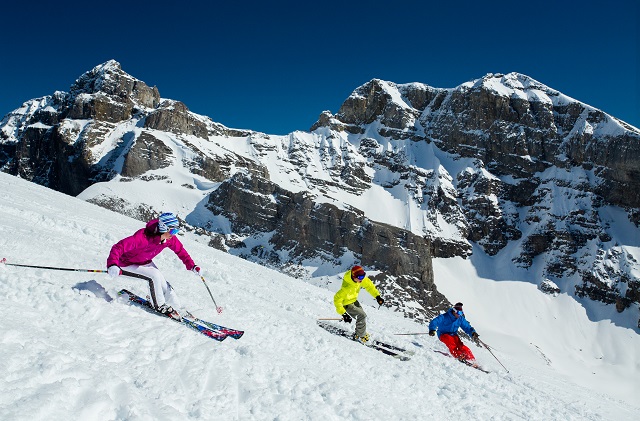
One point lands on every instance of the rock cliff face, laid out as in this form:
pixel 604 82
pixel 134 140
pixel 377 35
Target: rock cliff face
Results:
pixel 303 229
pixel 502 165
pixel 174 117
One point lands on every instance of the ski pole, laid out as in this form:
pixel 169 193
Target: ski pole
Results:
pixel 417 333
pixel 489 349
pixel 4 262
pixel 124 272
pixel 332 318
pixel 218 309
pixel 134 275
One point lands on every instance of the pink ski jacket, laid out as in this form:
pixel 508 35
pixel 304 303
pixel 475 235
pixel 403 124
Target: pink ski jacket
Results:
pixel 143 246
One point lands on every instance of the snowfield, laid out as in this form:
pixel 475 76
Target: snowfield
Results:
pixel 73 351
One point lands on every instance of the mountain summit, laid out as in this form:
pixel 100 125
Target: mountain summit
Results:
pixel 501 167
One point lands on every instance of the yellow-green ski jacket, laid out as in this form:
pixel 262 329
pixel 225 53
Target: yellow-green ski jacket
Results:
pixel 348 293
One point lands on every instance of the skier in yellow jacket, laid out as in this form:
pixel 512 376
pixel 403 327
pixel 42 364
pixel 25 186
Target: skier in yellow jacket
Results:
pixel 346 300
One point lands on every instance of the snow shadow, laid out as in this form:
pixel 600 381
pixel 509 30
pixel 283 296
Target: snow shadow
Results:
pixel 95 288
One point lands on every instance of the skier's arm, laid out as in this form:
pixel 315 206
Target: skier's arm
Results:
pixel 181 252
pixel 338 300
pixel 466 326
pixel 371 289
pixel 433 325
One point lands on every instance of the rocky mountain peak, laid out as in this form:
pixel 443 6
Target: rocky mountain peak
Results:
pixel 99 79
pixel 395 106
pixel 510 83
pixel 108 79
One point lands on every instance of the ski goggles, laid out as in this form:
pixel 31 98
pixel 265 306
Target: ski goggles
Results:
pixel 458 312
pixel 174 231
pixel 361 277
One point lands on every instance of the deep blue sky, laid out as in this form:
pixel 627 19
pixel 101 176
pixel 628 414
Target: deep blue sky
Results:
pixel 274 66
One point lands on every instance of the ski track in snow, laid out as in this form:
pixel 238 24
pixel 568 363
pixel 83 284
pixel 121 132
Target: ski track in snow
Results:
pixel 72 350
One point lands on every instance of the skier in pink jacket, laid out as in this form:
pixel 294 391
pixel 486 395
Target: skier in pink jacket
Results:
pixel 135 254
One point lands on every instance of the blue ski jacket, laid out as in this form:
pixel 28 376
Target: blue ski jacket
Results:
pixel 447 323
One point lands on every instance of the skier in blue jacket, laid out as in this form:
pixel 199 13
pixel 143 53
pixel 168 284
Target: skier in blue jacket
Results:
pixel 447 325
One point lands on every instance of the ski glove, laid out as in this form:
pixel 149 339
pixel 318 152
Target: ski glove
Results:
pixel 475 336
pixel 346 318
pixel 114 271
pixel 379 300
pixel 197 270
pixel 432 333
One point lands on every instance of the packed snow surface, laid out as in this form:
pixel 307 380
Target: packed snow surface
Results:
pixel 72 350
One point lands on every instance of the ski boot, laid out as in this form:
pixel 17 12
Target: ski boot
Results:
pixel 469 363
pixel 168 311
pixel 362 339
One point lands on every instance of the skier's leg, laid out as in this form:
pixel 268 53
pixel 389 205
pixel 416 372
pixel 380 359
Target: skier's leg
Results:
pixel 463 351
pixel 355 310
pixel 466 353
pixel 172 298
pixel 157 285
pixel 169 294
pixel 450 342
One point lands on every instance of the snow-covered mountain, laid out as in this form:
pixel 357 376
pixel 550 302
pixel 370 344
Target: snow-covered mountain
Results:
pixel 71 350
pixel 502 167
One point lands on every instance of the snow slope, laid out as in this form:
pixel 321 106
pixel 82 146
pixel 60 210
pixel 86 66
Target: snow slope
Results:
pixel 72 351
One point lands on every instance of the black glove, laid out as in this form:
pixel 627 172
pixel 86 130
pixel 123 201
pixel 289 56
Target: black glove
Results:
pixel 379 300
pixel 432 333
pixel 346 318
pixel 475 337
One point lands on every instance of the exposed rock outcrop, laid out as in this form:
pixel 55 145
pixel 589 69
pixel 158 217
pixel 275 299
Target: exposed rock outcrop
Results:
pixel 305 229
pixel 173 116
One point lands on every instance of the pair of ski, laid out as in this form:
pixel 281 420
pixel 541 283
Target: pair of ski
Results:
pixel 211 330
pixel 465 362
pixel 388 349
